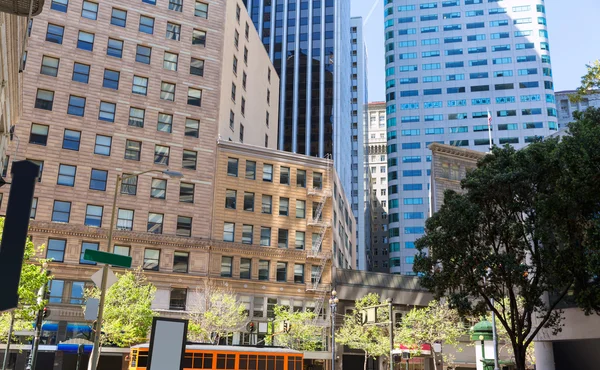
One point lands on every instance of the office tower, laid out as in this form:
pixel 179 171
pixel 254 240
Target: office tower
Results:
pixel 376 155
pixel 361 207
pixel 566 108
pixel 309 44
pixel 447 63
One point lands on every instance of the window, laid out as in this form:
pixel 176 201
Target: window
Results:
pixel 140 86
pixel 125 219
pixel 155 223
pixel 284 204
pixel 184 226
pixel 61 211
pixel 76 106
pixel 201 10
pixel 107 111
pixel 81 73
pixel 173 31
pixel 161 155
pixel 266 204
pixel 115 48
pixel 247 234
pixel 85 246
pixel 237 13
pixel 232 167
pixel 186 193
pixel 122 250
pixel 165 122
pixel 192 127
pixel 245 268
pixel 177 299
pixel 111 79
pixel 197 67
pixel 263 272
pixel 244 79
pixel 241 133
pixel 129 184
pixel 243 107
pixel 103 144
pixel 190 159
pixel 93 215
pixel 98 180
pixel 281 271
pixel 181 261
pixel 300 239
pixel 265 236
pixel 71 139
pixel 55 33
pixel 268 172
pixel 245 55
pixel 235 64
pixel 151 259
pixel 317 180
pixel 231 120
pixel 170 61
pixel 194 97
pixel 158 189
pixel 228 232
pixel 299 273
pixel 56 251
pixel 249 202
pixel 33 208
pixel 230 199
pixel 143 54
pixel 233 91
pixel 133 150
pixel 39 134
pixel 146 24
pixel 44 99
pixel 300 208
pixel 66 175
pixel 89 10
pixel 176 5
pixel 236 40
pixel 85 41
pixel 118 17
pixel 199 37
pixel 50 66
pixel 284 175
pixel 226 266
pixel 167 91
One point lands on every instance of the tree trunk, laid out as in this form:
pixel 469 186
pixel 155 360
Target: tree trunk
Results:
pixel 434 359
pixel 366 358
pixel 520 357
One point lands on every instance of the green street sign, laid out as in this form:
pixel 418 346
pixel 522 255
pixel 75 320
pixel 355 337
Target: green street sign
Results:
pixel 107 258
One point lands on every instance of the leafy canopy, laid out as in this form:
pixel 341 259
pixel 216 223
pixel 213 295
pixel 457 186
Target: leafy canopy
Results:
pixel 303 335
pixel 589 82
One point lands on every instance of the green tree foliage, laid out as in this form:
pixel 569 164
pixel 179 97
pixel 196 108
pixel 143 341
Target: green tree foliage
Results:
pixel 127 309
pixel 527 224
pixel 303 333
pixel 216 314
pixel 589 82
pixel 33 277
pixel 436 323
pixel 372 339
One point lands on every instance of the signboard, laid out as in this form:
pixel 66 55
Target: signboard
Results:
pixel 107 258
pixel 167 344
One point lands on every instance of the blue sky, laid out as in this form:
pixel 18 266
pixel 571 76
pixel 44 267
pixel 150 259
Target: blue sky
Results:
pixel 572 26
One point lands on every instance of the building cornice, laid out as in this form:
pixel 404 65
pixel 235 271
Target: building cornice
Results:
pixel 450 150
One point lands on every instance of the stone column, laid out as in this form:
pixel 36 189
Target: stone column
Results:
pixel 544 355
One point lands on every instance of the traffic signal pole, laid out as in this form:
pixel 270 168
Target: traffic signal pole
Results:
pixel 38 328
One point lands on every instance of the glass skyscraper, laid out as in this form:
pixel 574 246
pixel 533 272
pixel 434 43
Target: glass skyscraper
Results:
pixel 309 44
pixel 449 62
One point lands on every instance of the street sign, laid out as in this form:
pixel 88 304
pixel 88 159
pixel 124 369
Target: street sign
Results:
pixel 107 258
pixel 91 308
pixel 111 278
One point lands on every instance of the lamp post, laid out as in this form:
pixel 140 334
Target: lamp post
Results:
pixel 95 349
pixel 40 315
pixel 333 302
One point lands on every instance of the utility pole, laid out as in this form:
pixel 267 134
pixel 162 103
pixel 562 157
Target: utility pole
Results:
pixel 10 330
pixel 389 300
pixel 41 314
pixel 495 338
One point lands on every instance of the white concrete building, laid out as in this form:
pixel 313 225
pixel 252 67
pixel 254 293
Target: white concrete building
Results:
pixel 567 108
pixel 447 63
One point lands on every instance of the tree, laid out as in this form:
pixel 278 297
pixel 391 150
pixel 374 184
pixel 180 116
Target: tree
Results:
pixel 590 82
pixel 216 314
pixel 525 233
pixel 127 309
pixel 33 277
pixel 436 323
pixel 372 339
pixel 302 333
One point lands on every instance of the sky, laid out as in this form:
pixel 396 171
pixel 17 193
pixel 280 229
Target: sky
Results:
pixel 572 28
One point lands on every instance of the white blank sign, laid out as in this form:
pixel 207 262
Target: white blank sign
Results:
pixel 167 344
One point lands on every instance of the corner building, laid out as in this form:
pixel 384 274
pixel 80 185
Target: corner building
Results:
pixel 447 63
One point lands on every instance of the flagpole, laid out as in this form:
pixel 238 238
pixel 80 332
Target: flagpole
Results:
pixel 490 128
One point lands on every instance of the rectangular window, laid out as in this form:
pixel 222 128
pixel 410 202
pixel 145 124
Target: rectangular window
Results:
pixel 192 127
pixel 66 175
pixel 118 17
pixel 226 266
pixel 194 97
pixel 197 67
pixel 199 37
pixel 228 231
pixel 247 234
pixel 298 273
pixel 281 271
pixel 165 123
pixel 232 167
pixel 61 211
pixel 268 172
pixel 107 111
pixel 122 250
pixel 143 54
pixel 158 189
pixel 284 205
pixel 190 159
pixel 301 178
pixel 300 208
pixel 248 202
pixel 111 79
pixel 44 99
pixel 85 41
pixel 263 274
pixel 125 219
pixel 76 106
pixel 102 146
pixel 93 215
pixel 250 170
pixel 129 184
pixel 50 66
pixel 282 238
pixel 89 10
pixel 186 193
pixel 151 259
pixel 98 180
pixel 230 199
pixel 71 139
pixel 39 134
pixel 161 155
pixel 140 86
pixel 300 239
pixel 146 24
pixel 167 91
pixel 265 236
pixel 155 223
pixel 201 10
pixel 266 204
pixel 133 150
pixel 114 48
pixel 176 5
pixel 184 226
pixel 245 268
pixel 56 252
pixel 33 208
pixel 173 31
pixel 284 175
pixel 55 33
pixel 317 180
pixel 178 299
pixel 181 262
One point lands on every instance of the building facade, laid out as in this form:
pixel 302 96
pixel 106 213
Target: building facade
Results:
pixel 566 108
pixel 309 44
pixel 377 163
pixel 447 64
pixel 361 207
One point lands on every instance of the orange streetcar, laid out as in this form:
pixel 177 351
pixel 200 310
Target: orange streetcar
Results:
pixel 213 357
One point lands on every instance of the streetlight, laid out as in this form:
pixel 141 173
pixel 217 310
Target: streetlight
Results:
pixel 95 349
pixel 333 302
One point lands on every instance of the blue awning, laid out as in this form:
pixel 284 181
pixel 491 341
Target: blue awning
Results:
pixel 53 326
pixel 72 347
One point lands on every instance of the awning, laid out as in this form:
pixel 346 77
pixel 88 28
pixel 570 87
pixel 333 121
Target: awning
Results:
pixel 425 350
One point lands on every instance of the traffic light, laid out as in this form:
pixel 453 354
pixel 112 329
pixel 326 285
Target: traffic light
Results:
pixel 250 327
pixel 45 312
pixel 287 327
